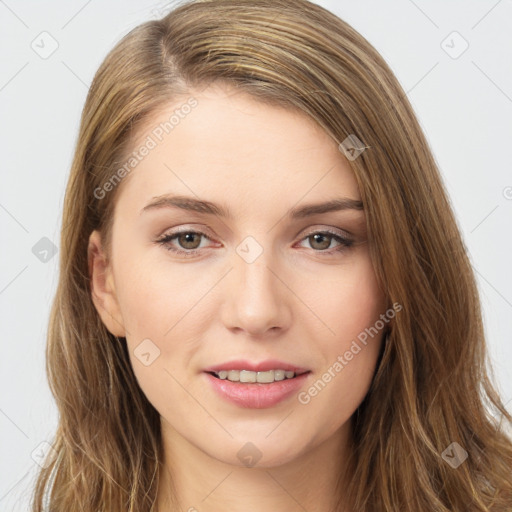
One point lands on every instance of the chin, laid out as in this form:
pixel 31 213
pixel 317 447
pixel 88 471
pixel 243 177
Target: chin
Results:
pixel 259 452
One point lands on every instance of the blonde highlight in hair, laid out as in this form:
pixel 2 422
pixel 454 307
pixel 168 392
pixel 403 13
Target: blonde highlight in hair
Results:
pixel 433 385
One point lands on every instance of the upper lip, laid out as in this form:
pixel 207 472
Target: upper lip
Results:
pixel 262 366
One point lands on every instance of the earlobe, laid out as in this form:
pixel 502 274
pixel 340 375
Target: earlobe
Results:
pixel 103 291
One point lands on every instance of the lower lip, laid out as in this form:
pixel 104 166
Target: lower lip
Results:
pixel 256 395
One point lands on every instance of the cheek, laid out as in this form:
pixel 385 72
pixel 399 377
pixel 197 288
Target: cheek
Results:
pixel 351 310
pixel 164 324
pixel 166 311
pixel 346 301
pixel 156 300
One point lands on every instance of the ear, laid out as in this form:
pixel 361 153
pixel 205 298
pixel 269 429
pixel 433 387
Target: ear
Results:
pixel 102 287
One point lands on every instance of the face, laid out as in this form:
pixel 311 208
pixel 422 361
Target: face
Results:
pixel 255 278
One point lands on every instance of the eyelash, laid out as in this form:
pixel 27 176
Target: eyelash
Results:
pixel 165 240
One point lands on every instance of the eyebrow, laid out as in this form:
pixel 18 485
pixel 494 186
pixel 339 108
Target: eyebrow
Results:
pixel 209 208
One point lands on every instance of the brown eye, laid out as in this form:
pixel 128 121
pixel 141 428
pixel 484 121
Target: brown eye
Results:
pixel 184 243
pixel 186 240
pixel 320 241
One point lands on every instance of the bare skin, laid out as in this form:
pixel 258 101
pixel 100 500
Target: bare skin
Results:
pixel 301 300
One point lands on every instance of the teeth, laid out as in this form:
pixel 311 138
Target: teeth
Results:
pixel 234 375
pixel 280 374
pixel 264 377
pixel 249 376
pixel 246 376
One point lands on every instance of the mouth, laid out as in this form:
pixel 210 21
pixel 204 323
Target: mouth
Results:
pixel 256 390
pixel 254 377
pixel 244 370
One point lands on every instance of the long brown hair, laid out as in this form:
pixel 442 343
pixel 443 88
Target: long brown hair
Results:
pixel 433 385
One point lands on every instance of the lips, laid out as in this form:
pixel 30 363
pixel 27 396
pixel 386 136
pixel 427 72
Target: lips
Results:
pixel 262 366
pixel 256 396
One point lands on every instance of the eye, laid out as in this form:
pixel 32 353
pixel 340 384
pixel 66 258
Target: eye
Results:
pixel 189 240
pixel 321 241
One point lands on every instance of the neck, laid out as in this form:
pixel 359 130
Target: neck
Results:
pixel 193 481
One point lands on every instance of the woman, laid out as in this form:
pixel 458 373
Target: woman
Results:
pixel 264 301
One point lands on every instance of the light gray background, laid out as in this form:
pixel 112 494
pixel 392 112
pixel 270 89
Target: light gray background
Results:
pixel 464 105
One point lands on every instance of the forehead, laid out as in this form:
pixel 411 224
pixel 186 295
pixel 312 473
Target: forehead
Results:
pixel 225 145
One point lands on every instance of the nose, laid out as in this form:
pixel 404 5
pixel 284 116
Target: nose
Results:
pixel 257 300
